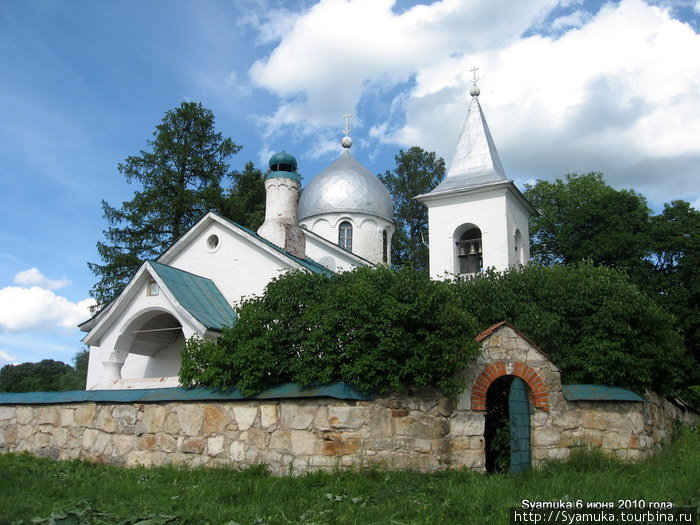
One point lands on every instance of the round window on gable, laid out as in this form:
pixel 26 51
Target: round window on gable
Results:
pixel 212 243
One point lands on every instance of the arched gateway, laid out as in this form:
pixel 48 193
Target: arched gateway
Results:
pixel 509 391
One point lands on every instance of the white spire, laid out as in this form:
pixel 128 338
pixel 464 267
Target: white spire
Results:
pixel 475 161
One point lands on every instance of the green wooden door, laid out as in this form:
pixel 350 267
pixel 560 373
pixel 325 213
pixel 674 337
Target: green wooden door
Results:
pixel 519 410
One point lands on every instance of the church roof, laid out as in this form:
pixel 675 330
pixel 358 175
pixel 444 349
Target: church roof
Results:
pixel 198 295
pixel 346 186
pixel 475 161
pixel 306 262
pixel 166 256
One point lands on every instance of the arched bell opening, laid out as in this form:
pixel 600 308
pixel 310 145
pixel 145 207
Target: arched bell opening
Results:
pixel 153 344
pixel 469 258
pixel 519 248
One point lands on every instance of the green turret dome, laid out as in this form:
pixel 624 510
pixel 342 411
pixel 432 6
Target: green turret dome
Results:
pixel 282 161
pixel 283 164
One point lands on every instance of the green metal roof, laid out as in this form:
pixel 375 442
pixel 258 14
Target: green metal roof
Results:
pixel 283 391
pixel 284 175
pixel 283 157
pixel 307 263
pixel 198 295
pixel 599 393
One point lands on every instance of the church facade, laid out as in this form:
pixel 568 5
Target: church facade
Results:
pixel 342 220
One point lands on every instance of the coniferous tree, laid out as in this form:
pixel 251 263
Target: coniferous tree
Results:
pixel 181 177
pixel 417 171
pixel 245 202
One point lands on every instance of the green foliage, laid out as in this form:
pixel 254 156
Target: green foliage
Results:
pixel 31 487
pixel 45 376
pixel 380 329
pixel 593 322
pixel 675 281
pixel 245 201
pixel 585 219
pixel 417 171
pixel 181 178
pixel 582 218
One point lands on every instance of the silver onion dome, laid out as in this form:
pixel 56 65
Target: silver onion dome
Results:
pixel 346 186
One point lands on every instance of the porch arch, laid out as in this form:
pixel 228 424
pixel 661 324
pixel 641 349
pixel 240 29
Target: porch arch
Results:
pixel 540 398
pixel 150 345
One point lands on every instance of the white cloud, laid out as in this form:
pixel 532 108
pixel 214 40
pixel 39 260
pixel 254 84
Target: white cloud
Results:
pixel 617 91
pixel 35 308
pixel 619 95
pixel 6 357
pixel 337 50
pixel 575 19
pixel 33 277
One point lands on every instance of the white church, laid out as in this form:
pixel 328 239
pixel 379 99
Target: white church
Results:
pixel 343 220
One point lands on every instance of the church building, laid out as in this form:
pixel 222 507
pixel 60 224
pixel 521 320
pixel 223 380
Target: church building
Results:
pixel 342 220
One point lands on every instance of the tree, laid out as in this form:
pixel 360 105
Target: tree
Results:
pixel 596 325
pixel 245 202
pixel 585 219
pixel 181 178
pixel 33 377
pixel 675 281
pixel 582 218
pixel 45 376
pixel 381 329
pixel 417 171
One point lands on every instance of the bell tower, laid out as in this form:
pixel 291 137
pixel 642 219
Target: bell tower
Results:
pixel 477 218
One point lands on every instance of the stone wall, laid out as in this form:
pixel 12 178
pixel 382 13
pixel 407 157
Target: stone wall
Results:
pixel 627 430
pixel 422 431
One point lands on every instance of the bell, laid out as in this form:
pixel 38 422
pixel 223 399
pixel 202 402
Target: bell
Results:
pixel 478 247
pixel 462 250
pixel 472 248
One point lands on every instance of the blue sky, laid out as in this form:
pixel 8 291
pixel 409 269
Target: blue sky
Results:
pixel 566 85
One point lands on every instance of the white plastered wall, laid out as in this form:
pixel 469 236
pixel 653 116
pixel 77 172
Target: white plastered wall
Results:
pixel 486 210
pixel 238 267
pixel 115 337
pixel 367 238
pixel 518 220
pixel 336 260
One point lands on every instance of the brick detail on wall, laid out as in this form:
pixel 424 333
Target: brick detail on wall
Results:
pixel 492 372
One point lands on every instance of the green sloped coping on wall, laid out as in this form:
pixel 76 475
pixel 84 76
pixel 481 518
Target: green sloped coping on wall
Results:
pixel 156 395
pixel 599 393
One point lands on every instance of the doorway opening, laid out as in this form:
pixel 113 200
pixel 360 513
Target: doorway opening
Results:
pixel 507 426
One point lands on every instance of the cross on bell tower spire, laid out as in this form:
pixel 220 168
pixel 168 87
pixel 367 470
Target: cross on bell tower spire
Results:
pixel 474 91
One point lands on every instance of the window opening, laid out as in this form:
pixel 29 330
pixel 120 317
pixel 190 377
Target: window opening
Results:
pixel 385 247
pixel 345 235
pixel 212 242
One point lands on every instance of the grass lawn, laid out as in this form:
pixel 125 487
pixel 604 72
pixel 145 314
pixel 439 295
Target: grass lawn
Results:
pixel 79 492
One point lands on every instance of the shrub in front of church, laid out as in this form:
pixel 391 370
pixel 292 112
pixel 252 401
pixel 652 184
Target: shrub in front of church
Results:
pixel 595 325
pixel 379 329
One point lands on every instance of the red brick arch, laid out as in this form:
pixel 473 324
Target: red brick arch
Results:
pixel 492 372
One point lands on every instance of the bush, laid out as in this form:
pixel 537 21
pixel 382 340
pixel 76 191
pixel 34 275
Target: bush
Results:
pixel 591 320
pixel 379 329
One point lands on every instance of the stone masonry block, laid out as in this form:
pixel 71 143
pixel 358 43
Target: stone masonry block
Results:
pixel 297 417
pixel 190 417
pixel 244 415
